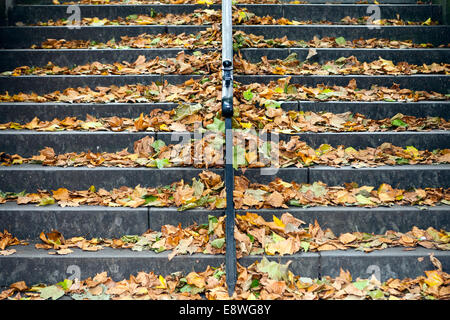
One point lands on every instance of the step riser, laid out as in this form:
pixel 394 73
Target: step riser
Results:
pixel 381 110
pixel 88 222
pixel 51 178
pixel 385 264
pixel 412 56
pixel 435 35
pixel 27 222
pixel 437 83
pixel 334 13
pixel 119 266
pixel 29 143
pixel 40 85
pixel 11 59
pixel 370 220
pixel 25 112
pixel 25 37
pixel 31 178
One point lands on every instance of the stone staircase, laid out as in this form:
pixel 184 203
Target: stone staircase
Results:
pixel 28 221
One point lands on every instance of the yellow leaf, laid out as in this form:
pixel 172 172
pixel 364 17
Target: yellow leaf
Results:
pixel 278 222
pixel 163 284
pixel 433 278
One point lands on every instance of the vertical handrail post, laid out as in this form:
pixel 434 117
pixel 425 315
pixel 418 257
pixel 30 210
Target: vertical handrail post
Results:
pixel 227 113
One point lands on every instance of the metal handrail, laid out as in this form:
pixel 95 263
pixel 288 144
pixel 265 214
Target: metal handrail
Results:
pixel 227 112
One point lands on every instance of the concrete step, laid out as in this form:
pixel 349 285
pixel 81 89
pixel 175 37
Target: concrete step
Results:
pixel 25 37
pixel 300 12
pixel 393 263
pixel 412 56
pixel 121 263
pixel 29 143
pixel 13 58
pixel 46 84
pixel 26 222
pixel 41 85
pixel 25 111
pixel 32 177
pixel 437 83
pixel 435 35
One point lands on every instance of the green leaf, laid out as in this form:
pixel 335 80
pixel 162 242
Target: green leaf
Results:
pixel 217 125
pixel 272 104
pixel 161 163
pixel 132 17
pixel 238 156
pixel 51 292
pixel 66 284
pixel 254 284
pixel 276 238
pixel 157 145
pixel 149 198
pixel 88 296
pixel 218 243
pixel 363 200
pixel 198 187
pixel 276 271
pixel 401 161
pixel 184 110
pixel 304 245
pixel 152 13
pixel 212 221
pixel 218 274
pixel 340 41
pixel 252 238
pixel 376 294
pixel 46 201
pixel 155 42
pixel 398 123
pixel 361 284
pixel 256 193
pixel 248 95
